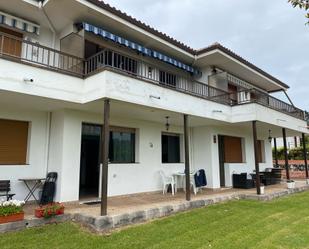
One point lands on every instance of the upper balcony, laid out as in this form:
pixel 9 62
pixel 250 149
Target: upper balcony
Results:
pixel 27 52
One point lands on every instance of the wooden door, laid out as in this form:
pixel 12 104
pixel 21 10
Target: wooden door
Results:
pixel 10 42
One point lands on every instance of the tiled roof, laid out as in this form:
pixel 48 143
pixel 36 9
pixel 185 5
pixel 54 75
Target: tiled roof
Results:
pixel 179 44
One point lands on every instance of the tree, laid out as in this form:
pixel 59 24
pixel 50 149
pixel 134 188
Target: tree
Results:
pixel 302 4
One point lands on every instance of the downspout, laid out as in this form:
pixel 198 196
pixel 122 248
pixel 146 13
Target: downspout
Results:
pixel 51 26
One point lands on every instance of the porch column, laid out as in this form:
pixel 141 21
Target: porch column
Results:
pixel 187 162
pixel 305 154
pixel 104 156
pixel 286 159
pixel 276 152
pixel 256 158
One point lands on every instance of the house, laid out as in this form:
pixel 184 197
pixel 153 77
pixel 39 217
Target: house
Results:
pixel 66 66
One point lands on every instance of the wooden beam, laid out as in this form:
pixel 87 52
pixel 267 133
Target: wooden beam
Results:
pixel 285 151
pixel 305 154
pixel 256 158
pixel 104 156
pixel 187 162
pixel 276 152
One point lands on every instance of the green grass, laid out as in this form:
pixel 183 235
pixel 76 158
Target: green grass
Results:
pixel 283 223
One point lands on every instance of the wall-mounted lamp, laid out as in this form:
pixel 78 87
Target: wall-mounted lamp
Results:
pixel 154 97
pixel 269 136
pixel 167 125
pixel 28 80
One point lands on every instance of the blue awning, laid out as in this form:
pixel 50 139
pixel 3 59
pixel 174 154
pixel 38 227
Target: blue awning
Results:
pixel 135 46
pixel 19 23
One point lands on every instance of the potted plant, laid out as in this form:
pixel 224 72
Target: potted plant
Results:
pixel 49 210
pixel 262 189
pixel 11 211
pixel 290 184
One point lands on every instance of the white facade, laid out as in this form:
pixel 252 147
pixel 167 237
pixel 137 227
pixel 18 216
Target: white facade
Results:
pixel 56 105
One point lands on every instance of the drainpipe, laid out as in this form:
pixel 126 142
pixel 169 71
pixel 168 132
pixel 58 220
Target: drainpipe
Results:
pixel 47 139
pixel 51 26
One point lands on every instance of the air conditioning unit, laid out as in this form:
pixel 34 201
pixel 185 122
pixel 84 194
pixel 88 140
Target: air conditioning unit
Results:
pixel 244 97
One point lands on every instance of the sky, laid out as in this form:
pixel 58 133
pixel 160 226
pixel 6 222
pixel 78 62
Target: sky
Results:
pixel 270 34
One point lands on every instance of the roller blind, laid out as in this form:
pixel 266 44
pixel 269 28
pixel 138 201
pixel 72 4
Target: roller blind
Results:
pixel 232 150
pixel 13 142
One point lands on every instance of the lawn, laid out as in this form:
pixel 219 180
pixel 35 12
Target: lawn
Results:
pixel 283 223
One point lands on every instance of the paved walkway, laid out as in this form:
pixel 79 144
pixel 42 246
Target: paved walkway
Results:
pixel 138 202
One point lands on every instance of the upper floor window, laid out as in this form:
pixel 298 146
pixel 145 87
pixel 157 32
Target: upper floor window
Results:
pixel 13 142
pixel 167 79
pixel 10 43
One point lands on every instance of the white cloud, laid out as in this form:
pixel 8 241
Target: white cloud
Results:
pixel 270 34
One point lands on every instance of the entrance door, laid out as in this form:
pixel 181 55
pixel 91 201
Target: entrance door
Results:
pixel 221 160
pixel 90 161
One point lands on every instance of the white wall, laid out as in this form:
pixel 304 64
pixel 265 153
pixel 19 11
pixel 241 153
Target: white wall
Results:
pixel 207 153
pixel 137 177
pixel 37 156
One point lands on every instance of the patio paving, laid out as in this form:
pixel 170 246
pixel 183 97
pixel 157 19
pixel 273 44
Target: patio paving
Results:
pixel 139 202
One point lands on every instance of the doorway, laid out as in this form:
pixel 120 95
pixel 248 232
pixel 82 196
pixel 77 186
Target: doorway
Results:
pixel 221 160
pixel 90 161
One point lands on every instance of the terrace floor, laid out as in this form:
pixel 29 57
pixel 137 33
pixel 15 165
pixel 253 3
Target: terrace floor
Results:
pixel 143 201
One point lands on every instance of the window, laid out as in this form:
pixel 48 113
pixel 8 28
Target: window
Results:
pixel 261 151
pixel 167 79
pixel 11 46
pixel 170 148
pixel 122 145
pixel 233 150
pixel 13 142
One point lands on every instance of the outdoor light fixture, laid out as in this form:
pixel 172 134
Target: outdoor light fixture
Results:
pixel 269 136
pixel 167 125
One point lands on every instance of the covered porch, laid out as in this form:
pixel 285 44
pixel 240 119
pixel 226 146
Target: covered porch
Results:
pixel 61 125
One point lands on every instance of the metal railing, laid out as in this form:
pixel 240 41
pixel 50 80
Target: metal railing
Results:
pixel 256 96
pixel 36 54
pixel 152 73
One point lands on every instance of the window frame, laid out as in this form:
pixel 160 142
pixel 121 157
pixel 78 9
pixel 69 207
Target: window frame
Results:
pixel 124 130
pixel 180 147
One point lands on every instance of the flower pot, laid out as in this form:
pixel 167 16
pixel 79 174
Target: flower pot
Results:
pixel 12 218
pixel 262 190
pixel 291 185
pixel 39 212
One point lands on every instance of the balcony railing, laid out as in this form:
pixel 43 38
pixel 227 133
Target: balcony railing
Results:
pixel 256 96
pixel 37 55
pixel 153 74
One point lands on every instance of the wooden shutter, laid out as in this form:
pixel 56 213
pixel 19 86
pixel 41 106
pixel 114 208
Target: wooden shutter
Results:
pixel 232 150
pixel 13 142
pixel 260 151
pixel 11 46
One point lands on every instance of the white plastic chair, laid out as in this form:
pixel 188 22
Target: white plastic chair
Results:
pixel 167 180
